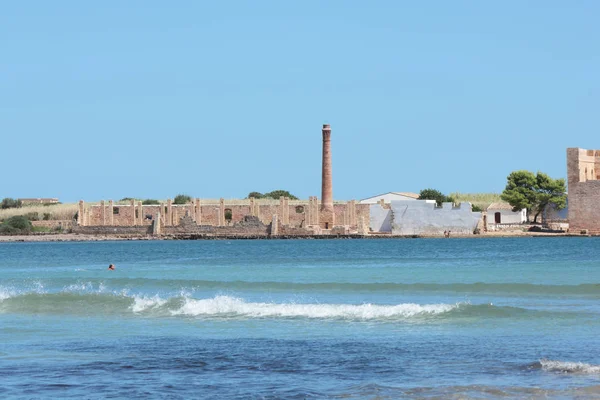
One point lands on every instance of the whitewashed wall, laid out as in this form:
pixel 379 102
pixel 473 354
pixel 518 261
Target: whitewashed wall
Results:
pixel 422 217
pixel 380 219
pixel 506 216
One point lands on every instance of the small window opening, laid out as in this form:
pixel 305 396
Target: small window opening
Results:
pixel 228 214
pixel 299 209
pixel 116 211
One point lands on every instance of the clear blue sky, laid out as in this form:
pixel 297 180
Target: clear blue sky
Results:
pixel 149 99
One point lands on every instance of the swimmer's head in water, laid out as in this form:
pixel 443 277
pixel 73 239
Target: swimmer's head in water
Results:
pixel 111 267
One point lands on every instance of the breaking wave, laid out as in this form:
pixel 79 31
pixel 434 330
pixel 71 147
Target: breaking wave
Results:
pixel 80 300
pixel 233 306
pixel 567 367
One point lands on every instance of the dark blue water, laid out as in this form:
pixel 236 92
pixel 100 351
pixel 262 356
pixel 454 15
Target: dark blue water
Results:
pixel 421 318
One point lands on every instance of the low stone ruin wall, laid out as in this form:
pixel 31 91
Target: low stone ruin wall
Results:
pixel 113 230
pixel 285 230
pixel 58 224
pixel 248 227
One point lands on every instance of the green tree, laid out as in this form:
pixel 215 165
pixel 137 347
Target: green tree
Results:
pixel 182 199
pixel 256 195
pixel 7 202
pixel 275 194
pixel 476 208
pixel 433 194
pixel 534 192
pixel 150 202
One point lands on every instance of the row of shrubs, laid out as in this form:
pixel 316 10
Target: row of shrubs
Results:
pixel 7 202
pixel 17 225
pixel 20 225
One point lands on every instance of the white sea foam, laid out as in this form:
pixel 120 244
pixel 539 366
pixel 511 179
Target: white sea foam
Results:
pixel 232 306
pixel 143 303
pixel 6 293
pixel 85 287
pixel 79 287
pixel 39 287
pixel 569 367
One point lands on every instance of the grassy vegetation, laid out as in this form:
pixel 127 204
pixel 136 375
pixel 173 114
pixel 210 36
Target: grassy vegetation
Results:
pixel 16 225
pixel 482 200
pixel 52 212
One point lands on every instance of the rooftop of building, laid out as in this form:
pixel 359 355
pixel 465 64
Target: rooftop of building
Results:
pixel 501 205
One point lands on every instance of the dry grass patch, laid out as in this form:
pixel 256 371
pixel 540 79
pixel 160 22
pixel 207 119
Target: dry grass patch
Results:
pixel 482 200
pixel 54 212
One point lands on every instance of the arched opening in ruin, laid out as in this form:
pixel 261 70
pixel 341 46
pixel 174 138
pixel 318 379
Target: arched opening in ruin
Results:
pixel 228 215
pixel 497 217
pixel 299 209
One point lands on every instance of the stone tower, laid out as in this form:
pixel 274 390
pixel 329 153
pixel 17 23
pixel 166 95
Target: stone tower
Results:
pixel 583 172
pixel 327 215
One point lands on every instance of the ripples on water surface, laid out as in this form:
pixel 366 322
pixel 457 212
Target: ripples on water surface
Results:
pixel 458 318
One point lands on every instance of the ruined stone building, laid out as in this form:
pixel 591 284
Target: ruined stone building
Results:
pixel 247 217
pixel 583 174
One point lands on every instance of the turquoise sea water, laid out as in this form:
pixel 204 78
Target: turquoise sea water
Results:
pixel 408 318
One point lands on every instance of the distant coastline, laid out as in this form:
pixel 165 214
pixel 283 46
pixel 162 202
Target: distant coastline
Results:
pixel 74 237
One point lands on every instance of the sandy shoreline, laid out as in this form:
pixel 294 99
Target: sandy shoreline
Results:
pixel 74 237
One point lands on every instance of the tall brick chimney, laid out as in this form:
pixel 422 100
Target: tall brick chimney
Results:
pixel 326 187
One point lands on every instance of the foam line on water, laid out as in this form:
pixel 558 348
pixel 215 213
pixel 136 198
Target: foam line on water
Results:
pixel 510 289
pixel 233 306
pixel 569 367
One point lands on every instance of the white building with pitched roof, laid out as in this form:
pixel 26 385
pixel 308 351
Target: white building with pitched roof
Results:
pixel 389 197
pixel 502 213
